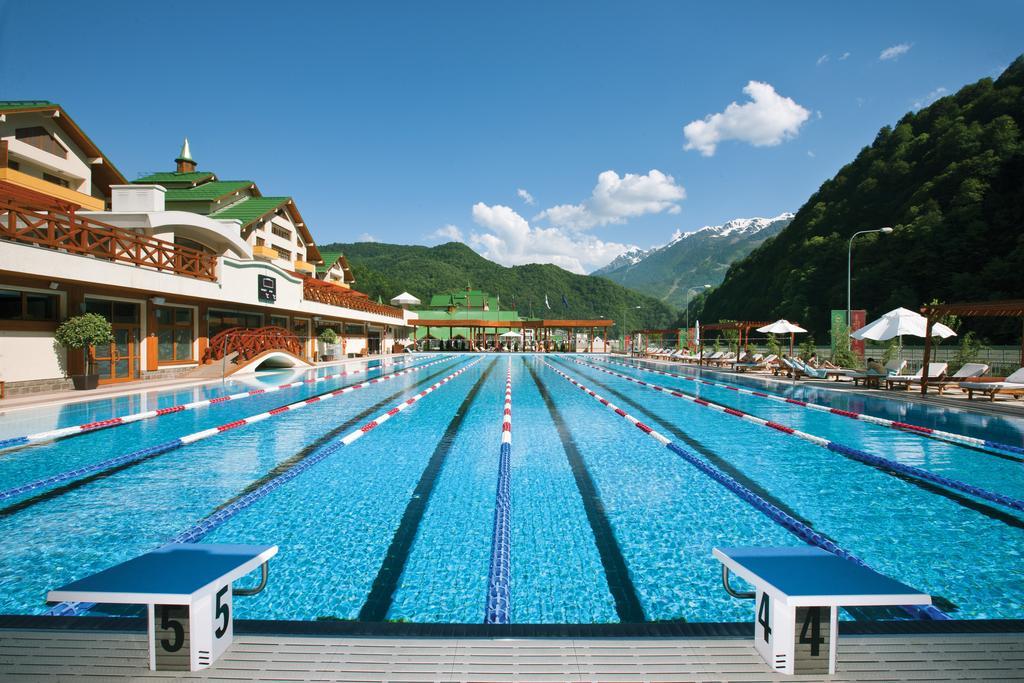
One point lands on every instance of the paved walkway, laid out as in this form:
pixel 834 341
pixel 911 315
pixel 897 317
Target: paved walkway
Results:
pixel 41 655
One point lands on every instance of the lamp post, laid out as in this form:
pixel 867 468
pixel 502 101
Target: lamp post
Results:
pixel 849 267
pixel 688 310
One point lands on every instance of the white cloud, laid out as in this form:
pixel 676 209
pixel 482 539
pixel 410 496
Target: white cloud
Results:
pixel 366 237
pixel 615 198
pixel 843 57
pixel 810 154
pixel 894 52
pixel 447 233
pixel 930 97
pixel 526 196
pixel 766 120
pixel 822 59
pixel 509 239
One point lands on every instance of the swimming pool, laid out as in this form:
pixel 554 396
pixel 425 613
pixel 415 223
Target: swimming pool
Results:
pixel 392 498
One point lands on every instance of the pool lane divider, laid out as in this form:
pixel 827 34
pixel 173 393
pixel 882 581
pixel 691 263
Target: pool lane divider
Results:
pixel 199 530
pixel 498 607
pixel 179 442
pixel 76 430
pixel 854 453
pixel 794 526
pixel 382 592
pixel 985 444
pixel 616 571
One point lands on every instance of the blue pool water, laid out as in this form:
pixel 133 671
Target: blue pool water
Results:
pixel 607 524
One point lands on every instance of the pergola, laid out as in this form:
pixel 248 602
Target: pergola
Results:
pixel 981 309
pixel 542 329
pixel 662 334
pixel 742 326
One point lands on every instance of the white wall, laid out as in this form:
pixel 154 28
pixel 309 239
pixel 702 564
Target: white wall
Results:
pixel 30 355
pixel 75 168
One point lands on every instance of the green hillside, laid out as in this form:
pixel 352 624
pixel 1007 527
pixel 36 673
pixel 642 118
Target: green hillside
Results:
pixel 389 269
pixel 949 179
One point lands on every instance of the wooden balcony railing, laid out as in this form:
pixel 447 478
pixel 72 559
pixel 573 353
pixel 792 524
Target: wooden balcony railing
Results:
pixel 64 230
pixel 335 295
pixel 249 343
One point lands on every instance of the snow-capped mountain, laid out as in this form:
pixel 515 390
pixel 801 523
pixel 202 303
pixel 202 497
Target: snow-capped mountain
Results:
pixel 691 259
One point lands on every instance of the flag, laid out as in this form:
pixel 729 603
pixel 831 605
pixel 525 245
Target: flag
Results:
pixel 546 302
pixel 565 302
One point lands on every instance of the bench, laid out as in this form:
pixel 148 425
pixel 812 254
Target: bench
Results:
pixel 187 590
pixel 798 591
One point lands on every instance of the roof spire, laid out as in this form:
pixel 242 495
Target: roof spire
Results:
pixel 185 162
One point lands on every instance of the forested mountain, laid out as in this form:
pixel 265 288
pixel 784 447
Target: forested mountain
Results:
pixel 386 270
pixel 691 259
pixel 950 180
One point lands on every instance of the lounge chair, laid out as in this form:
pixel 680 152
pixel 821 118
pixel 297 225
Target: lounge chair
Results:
pixel 811 372
pixel 1012 385
pixel 871 378
pixel 708 360
pixel 727 359
pixel 936 372
pixel 756 362
pixel 968 372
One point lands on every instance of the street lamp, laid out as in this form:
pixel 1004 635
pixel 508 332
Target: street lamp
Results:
pixel 849 267
pixel 688 304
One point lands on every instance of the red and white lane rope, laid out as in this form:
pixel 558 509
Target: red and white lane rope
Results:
pixel 786 521
pixel 75 430
pixel 497 609
pixel 173 444
pixel 352 436
pixel 881 421
pixel 855 453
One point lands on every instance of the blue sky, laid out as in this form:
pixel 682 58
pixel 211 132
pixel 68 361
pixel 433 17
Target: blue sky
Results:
pixel 411 122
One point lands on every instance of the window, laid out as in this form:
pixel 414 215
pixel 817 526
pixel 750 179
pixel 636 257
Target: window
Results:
pixel 281 232
pixel 186 242
pixel 279 321
pixel 13 165
pixel 283 253
pixel 355 330
pixel 15 305
pixel 38 137
pixel 260 241
pixel 300 327
pixel 218 321
pixel 56 180
pixel 114 311
pixel 174 333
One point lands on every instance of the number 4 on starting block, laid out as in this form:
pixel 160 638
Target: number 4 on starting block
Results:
pixel 798 593
pixel 188 596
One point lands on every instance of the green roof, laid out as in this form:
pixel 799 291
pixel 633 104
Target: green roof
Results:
pixel 25 104
pixel 329 258
pixel 249 209
pixel 207 191
pixel 175 177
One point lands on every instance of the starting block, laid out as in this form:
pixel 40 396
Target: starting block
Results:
pixel 187 590
pixel 798 592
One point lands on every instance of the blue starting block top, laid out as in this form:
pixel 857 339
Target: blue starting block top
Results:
pixel 810 576
pixel 171 575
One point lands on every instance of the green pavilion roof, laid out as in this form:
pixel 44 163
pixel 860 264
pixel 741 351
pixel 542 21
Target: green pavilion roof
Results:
pixel 250 208
pixel 176 178
pixel 25 104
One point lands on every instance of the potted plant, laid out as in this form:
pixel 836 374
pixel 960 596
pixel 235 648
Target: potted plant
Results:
pixel 81 332
pixel 328 338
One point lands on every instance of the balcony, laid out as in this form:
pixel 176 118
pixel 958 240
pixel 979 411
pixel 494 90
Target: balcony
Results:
pixel 334 295
pixel 304 267
pixel 264 252
pixel 25 181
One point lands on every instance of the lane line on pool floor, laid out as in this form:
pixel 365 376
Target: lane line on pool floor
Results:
pixel 497 609
pixel 794 526
pixel 188 439
pixel 200 529
pixel 89 427
pixel 278 469
pixel 993 512
pixel 382 592
pixel 985 445
pixel 855 453
pixel 620 583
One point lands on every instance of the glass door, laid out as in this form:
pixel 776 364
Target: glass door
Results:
pixel 118 361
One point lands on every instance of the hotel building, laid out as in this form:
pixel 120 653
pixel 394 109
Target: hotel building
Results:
pixel 182 263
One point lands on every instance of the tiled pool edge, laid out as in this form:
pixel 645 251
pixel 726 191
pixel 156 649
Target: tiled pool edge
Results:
pixel 656 629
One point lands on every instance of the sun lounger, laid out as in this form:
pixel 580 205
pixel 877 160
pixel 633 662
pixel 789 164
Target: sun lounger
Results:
pixel 811 372
pixel 748 363
pixel 872 379
pixel 936 372
pixel 1012 386
pixel 708 360
pixel 968 372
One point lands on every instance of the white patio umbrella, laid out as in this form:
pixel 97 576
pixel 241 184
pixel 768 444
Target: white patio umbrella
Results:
pixel 783 326
pixel 405 299
pixel 898 322
pixel 511 334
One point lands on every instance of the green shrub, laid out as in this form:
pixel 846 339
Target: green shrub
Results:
pixel 968 352
pixel 328 336
pixel 773 345
pixel 808 348
pixel 83 331
pixel 843 355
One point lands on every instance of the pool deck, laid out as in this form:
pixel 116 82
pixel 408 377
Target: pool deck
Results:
pixel 952 398
pixel 47 655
